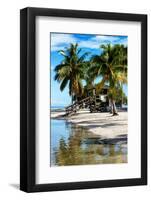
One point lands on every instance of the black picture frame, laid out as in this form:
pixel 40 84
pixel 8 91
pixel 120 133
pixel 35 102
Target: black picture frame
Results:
pixel 28 99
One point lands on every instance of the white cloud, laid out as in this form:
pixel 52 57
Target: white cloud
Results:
pixel 96 41
pixel 124 41
pixel 92 44
pixel 59 41
pixel 105 38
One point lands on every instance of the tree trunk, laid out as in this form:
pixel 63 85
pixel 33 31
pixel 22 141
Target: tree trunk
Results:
pixel 114 110
pixel 113 107
pixel 71 98
pixel 76 98
pixel 110 106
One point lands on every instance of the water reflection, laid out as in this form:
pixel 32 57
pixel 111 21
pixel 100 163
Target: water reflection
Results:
pixel 74 145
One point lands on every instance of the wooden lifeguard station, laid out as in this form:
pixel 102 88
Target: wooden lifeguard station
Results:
pixel 94 101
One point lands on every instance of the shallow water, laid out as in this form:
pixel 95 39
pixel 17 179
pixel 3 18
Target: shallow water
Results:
pixel 74 145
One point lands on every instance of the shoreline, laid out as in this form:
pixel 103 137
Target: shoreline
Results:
pixel 103 125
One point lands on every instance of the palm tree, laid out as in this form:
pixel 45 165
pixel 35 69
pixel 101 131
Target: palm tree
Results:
pixel 88 77
pixel 70 71
pixel 111 65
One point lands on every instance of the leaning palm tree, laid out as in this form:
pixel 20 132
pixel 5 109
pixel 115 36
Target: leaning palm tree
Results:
pixel 70 71
pixel 111 65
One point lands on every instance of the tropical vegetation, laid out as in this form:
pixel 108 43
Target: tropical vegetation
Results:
pixel 78 71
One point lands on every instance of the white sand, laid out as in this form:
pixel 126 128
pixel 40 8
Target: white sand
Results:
pixel 102 124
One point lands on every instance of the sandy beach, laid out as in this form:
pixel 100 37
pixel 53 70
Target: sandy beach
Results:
pixel 101 124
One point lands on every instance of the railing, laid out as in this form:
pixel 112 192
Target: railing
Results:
pixel 79 104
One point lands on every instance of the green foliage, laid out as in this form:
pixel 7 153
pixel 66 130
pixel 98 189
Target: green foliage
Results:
pixel 70 71
pixel 110 65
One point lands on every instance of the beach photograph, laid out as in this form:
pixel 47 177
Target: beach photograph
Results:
pixel 88 99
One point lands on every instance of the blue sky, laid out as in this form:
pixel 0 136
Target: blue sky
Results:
pixel 88 43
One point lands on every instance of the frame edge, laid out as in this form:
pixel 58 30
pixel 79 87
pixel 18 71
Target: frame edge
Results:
pixel 27 182
pixel 23 99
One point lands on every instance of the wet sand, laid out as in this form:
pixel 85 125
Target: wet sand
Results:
pixel 101 124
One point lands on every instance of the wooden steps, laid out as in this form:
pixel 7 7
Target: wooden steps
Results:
pixel 78 105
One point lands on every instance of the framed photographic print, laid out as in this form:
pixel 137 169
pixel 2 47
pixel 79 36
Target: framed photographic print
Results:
pixel 83 96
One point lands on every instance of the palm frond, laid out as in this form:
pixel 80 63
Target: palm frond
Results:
pixel 63 84
pixel 57 77
pixel 83 56
pixel 100 85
